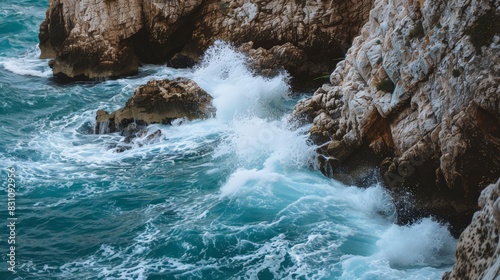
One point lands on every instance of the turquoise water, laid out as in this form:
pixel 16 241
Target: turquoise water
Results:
pixel 232 197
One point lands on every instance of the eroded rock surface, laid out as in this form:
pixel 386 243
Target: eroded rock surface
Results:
pixel 269 62
pixel 478 251
pixel 91 39
pixel 158 101
pixel 417 96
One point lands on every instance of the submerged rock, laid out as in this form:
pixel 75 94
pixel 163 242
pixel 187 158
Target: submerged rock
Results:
pixel 99 39
pixel 158 101
pixel 478 250
pixel 418 98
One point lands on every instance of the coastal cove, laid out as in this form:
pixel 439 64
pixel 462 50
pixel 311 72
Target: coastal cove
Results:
pixel 243 174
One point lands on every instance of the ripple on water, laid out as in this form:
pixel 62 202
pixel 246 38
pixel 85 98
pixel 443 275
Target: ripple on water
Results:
pixel 227 198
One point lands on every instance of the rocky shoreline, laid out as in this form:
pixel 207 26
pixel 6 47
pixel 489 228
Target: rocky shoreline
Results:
pixel 96 40
pixel 417 97
pixel 414 104
pixel 158 101
pixel 478 252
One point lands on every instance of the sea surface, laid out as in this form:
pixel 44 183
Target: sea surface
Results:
pixel 233 197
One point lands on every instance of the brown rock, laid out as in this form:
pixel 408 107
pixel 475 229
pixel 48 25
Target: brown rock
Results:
pixel 157 102
pixel 285 56
pixel 88 39
pixel 338 150
pixel 98 39
pixel 425 99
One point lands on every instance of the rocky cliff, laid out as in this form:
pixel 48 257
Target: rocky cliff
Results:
pixel 90 39
pixel 478 251
pixel 418 97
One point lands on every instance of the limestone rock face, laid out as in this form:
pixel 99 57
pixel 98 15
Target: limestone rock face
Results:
pixel 91 39
pixel 417 96
pixel 478 251
pixel 158 101
pixel 88 38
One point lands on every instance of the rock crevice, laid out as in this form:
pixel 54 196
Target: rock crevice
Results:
pixel 91 39
pixel 478 250
pixel 158 101
pixel 418 97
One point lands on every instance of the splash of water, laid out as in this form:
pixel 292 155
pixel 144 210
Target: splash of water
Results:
pixel 232 197
pixel 237 91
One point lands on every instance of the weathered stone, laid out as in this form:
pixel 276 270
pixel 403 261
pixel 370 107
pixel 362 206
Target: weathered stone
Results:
pixel 91 39
pixel 439 126
pixel 478 250
pixel 339 150
pixel 158 101
pixel 282 57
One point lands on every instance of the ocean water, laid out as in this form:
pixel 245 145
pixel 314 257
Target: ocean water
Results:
pixel 233 197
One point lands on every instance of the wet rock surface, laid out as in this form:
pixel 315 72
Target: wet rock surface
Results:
pixel 418 98
pixel 91 39
pixel 158 101
pixel 478 250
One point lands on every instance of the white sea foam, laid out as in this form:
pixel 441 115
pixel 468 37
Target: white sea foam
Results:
pixel 270 214
pixel 373 202
pixel 259 142
pixel 243 101
pixel 420 251
pixel 28 64
pixel 236 90
pixel 312 246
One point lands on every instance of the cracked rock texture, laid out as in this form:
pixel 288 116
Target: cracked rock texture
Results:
pixel 418 97
pixel 158 101
pixel 91 39
pixel 478 250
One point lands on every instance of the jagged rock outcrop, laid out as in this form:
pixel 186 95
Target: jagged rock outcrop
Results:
pixel 268 62
pixel 76 35
pixel 158 101
pixel 418 96
pixel 478 250
pixel 90 39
